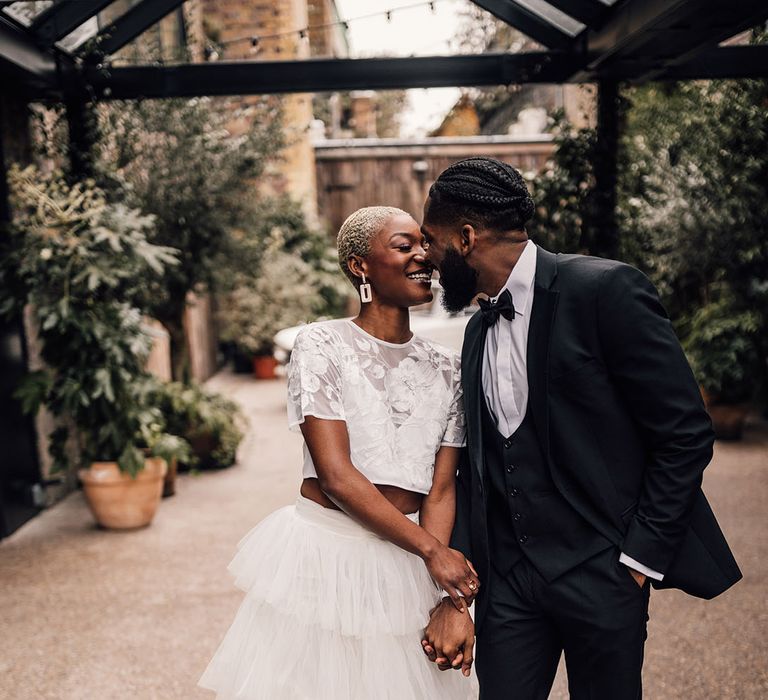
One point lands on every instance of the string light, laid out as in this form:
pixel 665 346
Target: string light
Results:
pixel 343 23
pixel 211 52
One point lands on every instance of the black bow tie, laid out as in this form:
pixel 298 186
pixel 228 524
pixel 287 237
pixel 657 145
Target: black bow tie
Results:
pixel 503 307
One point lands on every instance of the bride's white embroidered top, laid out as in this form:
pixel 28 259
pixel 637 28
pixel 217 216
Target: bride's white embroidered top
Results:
pixel 401 401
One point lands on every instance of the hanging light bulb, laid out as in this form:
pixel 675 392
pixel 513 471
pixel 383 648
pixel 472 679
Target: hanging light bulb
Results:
pixel 389 15
pixel 432 8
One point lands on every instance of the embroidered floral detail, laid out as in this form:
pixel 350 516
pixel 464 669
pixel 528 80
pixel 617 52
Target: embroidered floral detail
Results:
pixel 400 402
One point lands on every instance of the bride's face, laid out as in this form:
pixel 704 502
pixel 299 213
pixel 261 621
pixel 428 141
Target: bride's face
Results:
pixel 396 265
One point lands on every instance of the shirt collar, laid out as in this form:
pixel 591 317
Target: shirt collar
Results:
pixel 520 280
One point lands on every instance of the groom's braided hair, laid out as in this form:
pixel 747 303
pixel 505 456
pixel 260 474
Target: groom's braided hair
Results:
pixel 483 191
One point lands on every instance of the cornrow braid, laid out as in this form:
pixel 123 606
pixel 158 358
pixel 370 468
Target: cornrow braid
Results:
pixel 356 233
pixel 485 191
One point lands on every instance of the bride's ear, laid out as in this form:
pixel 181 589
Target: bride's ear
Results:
pixel 358 266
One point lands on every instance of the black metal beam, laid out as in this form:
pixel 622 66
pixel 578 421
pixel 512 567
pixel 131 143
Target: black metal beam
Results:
pixel 723 62
pixel 22 64
pixel 320 75
pixel 529 23
pixel 63 17
pixel 663 33
pixel 589 12
pixel 127 27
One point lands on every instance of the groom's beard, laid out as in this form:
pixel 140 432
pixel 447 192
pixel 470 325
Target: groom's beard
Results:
pixel 459 281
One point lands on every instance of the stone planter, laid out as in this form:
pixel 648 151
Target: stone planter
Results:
pixel 119 501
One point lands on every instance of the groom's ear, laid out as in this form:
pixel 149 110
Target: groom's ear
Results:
pixel 467 239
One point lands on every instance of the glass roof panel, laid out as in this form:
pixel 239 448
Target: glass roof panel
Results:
pixel 79 35
pixel 565 23
pixel 26 12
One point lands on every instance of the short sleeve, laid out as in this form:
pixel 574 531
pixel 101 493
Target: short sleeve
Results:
pixel 456 430
pixel 314 377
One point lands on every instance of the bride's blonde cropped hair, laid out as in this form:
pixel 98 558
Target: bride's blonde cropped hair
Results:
pixel 356 233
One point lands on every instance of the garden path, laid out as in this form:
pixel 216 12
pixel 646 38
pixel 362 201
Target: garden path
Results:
pixel 94 615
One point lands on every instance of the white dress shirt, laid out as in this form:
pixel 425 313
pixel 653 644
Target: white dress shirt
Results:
pixel 505 370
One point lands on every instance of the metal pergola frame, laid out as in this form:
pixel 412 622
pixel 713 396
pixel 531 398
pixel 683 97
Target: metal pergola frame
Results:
pixel 583 41
pixel 634 40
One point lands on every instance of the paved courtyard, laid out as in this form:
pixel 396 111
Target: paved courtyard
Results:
pixel 92 615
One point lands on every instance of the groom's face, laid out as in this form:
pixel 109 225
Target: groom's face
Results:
pixel 457 277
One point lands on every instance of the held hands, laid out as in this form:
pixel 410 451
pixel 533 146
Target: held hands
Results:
pixel 454 574
pixel 449 638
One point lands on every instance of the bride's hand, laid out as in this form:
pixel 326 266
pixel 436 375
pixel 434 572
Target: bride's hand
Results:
pixel 453 573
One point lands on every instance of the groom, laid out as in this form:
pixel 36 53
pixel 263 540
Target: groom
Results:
pixel 587 439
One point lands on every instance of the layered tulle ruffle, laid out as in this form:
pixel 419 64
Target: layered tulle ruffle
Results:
pixel 331 612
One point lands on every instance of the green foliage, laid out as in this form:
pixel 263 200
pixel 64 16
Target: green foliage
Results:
pixel 213 424
pixel 286 291
pixel 182 162
pixel 695 206
pixel 722 349
pixel 81 263
pixel 692 212
pixel 283 217
pixel 562 191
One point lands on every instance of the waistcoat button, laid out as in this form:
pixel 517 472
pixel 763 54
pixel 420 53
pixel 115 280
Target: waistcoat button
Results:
pixel 523 539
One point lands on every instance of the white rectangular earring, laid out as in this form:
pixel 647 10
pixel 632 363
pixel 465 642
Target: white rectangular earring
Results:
pixel 365 291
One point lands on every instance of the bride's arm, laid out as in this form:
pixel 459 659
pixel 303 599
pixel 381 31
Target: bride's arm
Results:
pixel 438 510
pixel 328 444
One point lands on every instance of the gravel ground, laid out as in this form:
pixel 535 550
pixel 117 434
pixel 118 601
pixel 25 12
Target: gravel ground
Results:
pixel 87 614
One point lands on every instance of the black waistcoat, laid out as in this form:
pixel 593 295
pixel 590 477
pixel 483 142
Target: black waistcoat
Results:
pixel 527 516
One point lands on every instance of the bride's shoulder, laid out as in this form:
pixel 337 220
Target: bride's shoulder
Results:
pixel 441 354
pixel 322 334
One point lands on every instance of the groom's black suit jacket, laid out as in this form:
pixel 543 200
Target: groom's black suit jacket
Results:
pixel 620 420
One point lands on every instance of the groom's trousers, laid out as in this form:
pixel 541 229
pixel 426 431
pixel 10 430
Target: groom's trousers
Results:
pixel 596 613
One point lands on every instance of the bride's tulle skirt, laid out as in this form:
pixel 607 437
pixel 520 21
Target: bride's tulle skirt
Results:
pixel 331 611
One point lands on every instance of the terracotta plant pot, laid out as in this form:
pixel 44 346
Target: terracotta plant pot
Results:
pixel 117 500
pixel 264 366
pixel 727 418
pixel 169 482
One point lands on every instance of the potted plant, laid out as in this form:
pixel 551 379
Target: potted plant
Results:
pixel 173 449
pixel 283 293
pixel 212 424
pixel 80 263
pixel 722 348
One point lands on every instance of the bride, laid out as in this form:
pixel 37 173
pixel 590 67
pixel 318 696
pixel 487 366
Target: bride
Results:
pixel 339 585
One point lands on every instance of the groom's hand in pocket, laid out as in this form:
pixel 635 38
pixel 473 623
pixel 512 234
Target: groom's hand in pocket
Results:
pixel 449 638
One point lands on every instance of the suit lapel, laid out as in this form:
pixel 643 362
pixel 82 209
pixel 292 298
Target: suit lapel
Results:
pixel 472 373
pixel 539 335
